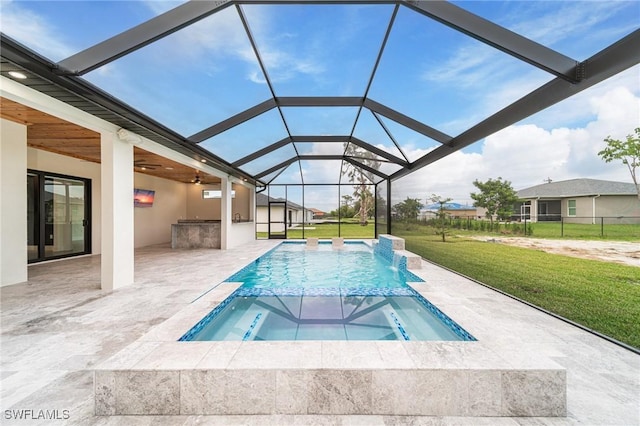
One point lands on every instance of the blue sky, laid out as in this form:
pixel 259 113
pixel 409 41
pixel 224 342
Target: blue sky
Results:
pixel 208 72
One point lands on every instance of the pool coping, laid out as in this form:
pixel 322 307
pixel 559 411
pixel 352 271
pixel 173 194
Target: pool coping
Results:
pixel 159 375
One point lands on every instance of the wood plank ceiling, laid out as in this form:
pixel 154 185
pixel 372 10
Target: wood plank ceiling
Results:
pixel 53 134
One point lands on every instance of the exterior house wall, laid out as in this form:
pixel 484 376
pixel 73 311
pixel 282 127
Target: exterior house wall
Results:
pixel 481 213
pixel 608 206
pixel 241 205
pixel 200 208
pixel 584 210
pixel 614 206
pixel 623 209
pixel 152 225
pixel 211 208
pixel 297 217
pixel 262 218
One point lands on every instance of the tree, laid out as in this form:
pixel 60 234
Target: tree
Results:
pixel 441 221
pixel 347 200
pixel 497 196
pixel 628 151
pixel 347 207
pixel 407 209
pixel 361 178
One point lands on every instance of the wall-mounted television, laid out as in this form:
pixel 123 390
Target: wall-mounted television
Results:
pixel 143 197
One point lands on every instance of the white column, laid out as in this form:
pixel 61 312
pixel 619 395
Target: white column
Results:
pixel 117 212
pixel 225 214
pixel 13 203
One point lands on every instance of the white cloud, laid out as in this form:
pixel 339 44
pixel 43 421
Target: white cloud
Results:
pixel 577 109
pixel 553 25
pixel 526 154
pixel 33 31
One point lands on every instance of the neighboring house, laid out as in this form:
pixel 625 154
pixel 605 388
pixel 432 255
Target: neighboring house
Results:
pixel 317 214
pixel 295 214
pixel 454 210
pixel 580 200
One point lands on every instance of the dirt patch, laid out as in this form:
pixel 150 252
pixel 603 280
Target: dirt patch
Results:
pixel 627 253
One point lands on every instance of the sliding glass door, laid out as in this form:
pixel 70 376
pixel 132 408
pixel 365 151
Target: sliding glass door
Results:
pixel 59 210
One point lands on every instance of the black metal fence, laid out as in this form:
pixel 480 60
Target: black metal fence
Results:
pixel 619 227
pixel 612 227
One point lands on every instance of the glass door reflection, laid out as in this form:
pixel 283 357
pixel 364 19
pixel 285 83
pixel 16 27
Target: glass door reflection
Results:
pixel 58 212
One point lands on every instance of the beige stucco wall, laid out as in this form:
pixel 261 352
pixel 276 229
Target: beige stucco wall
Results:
pixel 618 205
pixel 611 207
pixel 152 225
pixel 210 209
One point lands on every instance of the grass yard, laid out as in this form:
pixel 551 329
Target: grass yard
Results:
pixel 602 296
pixel 330 229
pixel 586 231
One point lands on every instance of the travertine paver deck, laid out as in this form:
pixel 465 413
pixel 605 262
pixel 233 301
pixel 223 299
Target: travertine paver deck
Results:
pixel 57 327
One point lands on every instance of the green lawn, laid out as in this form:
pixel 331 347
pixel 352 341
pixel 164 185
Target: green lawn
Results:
pixel 600 295
pixel 586 231
pixel 329 229
pixel 608 231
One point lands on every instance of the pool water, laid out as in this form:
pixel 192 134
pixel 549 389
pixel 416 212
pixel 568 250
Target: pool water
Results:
pixel 295 292
pixel 345 317
pixel 296 265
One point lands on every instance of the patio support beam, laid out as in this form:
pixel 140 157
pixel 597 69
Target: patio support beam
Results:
pixel 343 158
pixel 320 138
pixel 276 167
pixel 140 36
pixel 379 152
pixel 386 130
pixel 264 151
pixel 499 37
pixel 378 173
pixel 608 62
pixel 343 139
pixel 319 101
pixel 408 122
pixel 233 121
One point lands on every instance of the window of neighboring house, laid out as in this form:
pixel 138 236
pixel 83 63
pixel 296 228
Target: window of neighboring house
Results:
pixel 571 204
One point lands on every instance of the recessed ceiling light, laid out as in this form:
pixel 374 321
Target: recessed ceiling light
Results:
pixel 17 74
pixel 143 168
pixel 168 168
pixel 203 160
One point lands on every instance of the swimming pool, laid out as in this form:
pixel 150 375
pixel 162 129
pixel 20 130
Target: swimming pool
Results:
pixel 296 292
pixel 296 265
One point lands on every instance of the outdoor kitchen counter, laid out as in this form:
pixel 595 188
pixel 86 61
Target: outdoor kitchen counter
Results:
pixel 195 234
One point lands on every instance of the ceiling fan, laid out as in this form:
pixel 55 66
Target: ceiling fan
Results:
pixel 143 165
